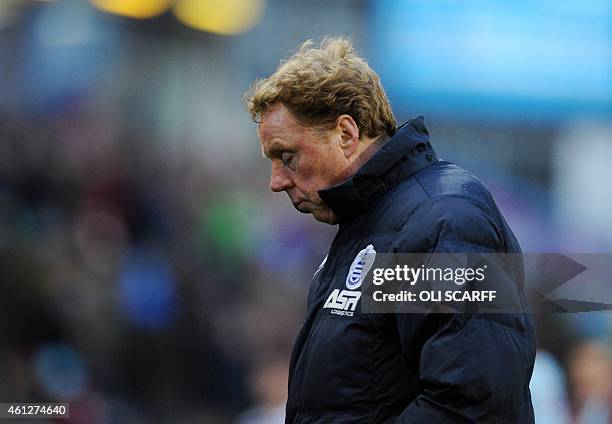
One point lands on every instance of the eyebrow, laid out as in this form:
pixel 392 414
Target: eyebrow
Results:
pixel 274 146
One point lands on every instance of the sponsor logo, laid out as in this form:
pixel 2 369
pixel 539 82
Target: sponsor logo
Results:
pixel 342 302
pixel 360 267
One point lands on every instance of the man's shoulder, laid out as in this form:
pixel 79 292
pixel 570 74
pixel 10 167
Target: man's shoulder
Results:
pixel 442 183
pixel 445 179
pixel 442 199
pixel 445 200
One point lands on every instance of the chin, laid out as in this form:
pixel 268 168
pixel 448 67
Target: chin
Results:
pixel 303 209
pixel 326 216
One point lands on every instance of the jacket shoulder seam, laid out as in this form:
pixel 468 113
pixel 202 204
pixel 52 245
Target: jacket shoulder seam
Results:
pixel 430 199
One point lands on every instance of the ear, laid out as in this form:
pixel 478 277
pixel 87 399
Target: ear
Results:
pixel 348 130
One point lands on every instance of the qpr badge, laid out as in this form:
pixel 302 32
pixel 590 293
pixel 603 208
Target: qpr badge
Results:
pixel 360 267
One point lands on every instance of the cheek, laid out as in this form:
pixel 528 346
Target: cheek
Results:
pixel 328 170
pixel 308 181
pixel 318 171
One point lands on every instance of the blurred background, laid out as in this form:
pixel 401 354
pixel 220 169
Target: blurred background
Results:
pixel 148 275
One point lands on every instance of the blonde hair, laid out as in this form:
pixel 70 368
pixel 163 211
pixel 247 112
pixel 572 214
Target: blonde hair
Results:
pixel 318 84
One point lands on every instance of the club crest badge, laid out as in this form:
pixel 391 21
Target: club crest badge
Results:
pixel 360 267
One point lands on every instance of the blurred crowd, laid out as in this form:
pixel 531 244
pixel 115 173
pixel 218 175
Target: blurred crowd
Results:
pixel 137 286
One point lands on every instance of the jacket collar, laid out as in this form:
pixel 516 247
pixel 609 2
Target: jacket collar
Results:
pixel 407 152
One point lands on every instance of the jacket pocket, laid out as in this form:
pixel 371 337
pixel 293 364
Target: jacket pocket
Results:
pixel 338 374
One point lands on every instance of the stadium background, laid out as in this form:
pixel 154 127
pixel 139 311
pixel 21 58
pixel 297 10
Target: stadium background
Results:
pixel 148 275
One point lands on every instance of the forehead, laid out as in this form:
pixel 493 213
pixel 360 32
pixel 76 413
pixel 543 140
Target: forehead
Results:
pixel 277 121
pixel 279 130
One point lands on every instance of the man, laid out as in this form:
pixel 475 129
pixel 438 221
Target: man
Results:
pixel 326 125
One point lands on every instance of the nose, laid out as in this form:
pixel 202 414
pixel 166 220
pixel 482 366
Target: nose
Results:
pixel 280 180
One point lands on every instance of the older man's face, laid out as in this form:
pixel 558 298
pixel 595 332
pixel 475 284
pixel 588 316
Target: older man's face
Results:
pixel 303 162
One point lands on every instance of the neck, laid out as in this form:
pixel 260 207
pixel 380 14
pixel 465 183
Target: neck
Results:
pixel 370 146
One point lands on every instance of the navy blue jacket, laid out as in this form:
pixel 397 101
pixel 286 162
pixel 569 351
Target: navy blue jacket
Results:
pixel 410 368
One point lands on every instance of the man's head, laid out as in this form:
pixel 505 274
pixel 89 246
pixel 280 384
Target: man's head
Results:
pixel 320 117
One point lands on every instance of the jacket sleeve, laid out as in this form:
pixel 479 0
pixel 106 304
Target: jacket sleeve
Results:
pixel 472 367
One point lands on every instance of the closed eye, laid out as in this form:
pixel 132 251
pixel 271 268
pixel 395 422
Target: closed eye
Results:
pixel 287 158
